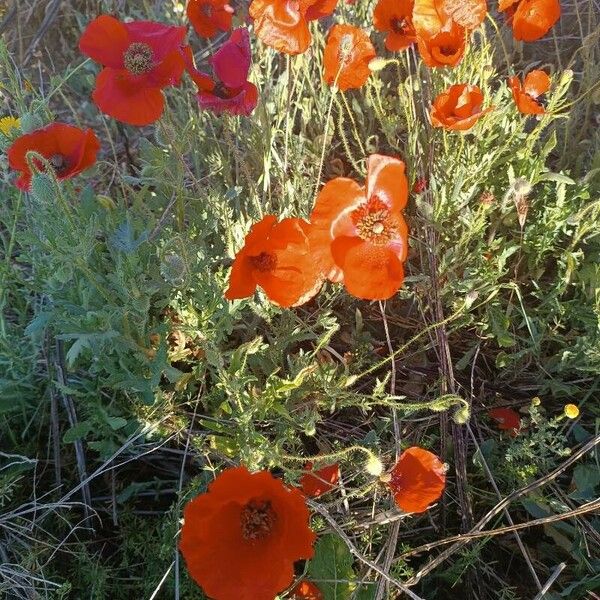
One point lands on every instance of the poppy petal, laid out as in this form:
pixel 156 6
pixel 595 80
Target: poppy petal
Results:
pixel 119 96
pixel 386 179
pixel 335 198
pixel 417 480
pixel 371 272
pixel 163 39
pixel 231 62
pixel 536 83
pixel 105 41
pixel 281 25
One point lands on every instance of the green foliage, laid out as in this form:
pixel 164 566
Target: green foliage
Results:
pixel 111 307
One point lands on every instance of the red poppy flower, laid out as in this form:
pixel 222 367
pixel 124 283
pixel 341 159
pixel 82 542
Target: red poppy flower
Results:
pixel 348 53
pixel 320 9
pixel 140 59
pixel 359 235
pixel 240 539
pixel 319 482
pixel 283 24
pixel 229 90
pixel 277 257
pixel 458 108
pixel 68 149
pixel 395 18
pixel 417 480
pixel 208 17
pixel 531 19
pixel 444 49
pixel 506 419
pixel 526 95
pixel 306 590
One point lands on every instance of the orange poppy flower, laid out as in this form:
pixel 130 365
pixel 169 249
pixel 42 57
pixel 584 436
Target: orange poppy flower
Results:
pixel 417 480
pixel 445 48
pixel 531 19
pixel 458 108
pixel 208 17
pixel 395 18
pixel 506 420
pixel 283 24
pixel 241 538
pixel 68 149
pixel 526 95
pixel 432 16
pixel 306 590
pixel 359 235
pixel 276 257
pixel 319 482
pixel 348 53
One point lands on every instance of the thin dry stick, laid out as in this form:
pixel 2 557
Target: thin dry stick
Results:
pixel 592 506
pixel 498 508
pixel 559 569
pixel 392 540
pixel 72 416
pixel 354 550
pixel 180 484
pixel 490 476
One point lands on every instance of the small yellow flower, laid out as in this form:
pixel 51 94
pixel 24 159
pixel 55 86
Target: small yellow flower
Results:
pixel 571 411
pixel 536 401
pixel 8 124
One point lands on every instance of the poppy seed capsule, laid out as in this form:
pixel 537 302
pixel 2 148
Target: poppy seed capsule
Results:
pixel 138 58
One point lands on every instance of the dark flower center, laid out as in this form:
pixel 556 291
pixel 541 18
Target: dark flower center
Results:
pixel 399 25
pixel 373 222
pixel 264 262
pixel 447 50
pixel 58 163
pixel 138 58
pixel 258 519
pixel 221 91
pixel 207 10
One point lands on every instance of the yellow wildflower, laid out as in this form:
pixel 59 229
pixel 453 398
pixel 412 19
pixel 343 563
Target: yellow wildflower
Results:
pixel 8 124
pixel 536 401
pixel 571 411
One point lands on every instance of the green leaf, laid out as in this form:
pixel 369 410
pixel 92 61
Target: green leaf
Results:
pixel 331 568
pixel 116 423
pixel 78 431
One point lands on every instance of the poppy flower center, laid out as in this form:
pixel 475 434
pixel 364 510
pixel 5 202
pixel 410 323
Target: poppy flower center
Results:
pixel 447 50
pixel 373 222
pixel 264 262
pixel 58 163
pixel 221 91
pixel 138 58
pixel 207 10
pixel 399 25
pixel 258 519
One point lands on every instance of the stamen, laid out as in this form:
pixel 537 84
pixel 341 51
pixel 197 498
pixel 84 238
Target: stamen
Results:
pixel 58 163
pixel 138 58
pixel 258 520
pixel 264 262
pixel 374 223
pixel 399 25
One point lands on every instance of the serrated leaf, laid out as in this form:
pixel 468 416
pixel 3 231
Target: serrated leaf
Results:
pixel 331 568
